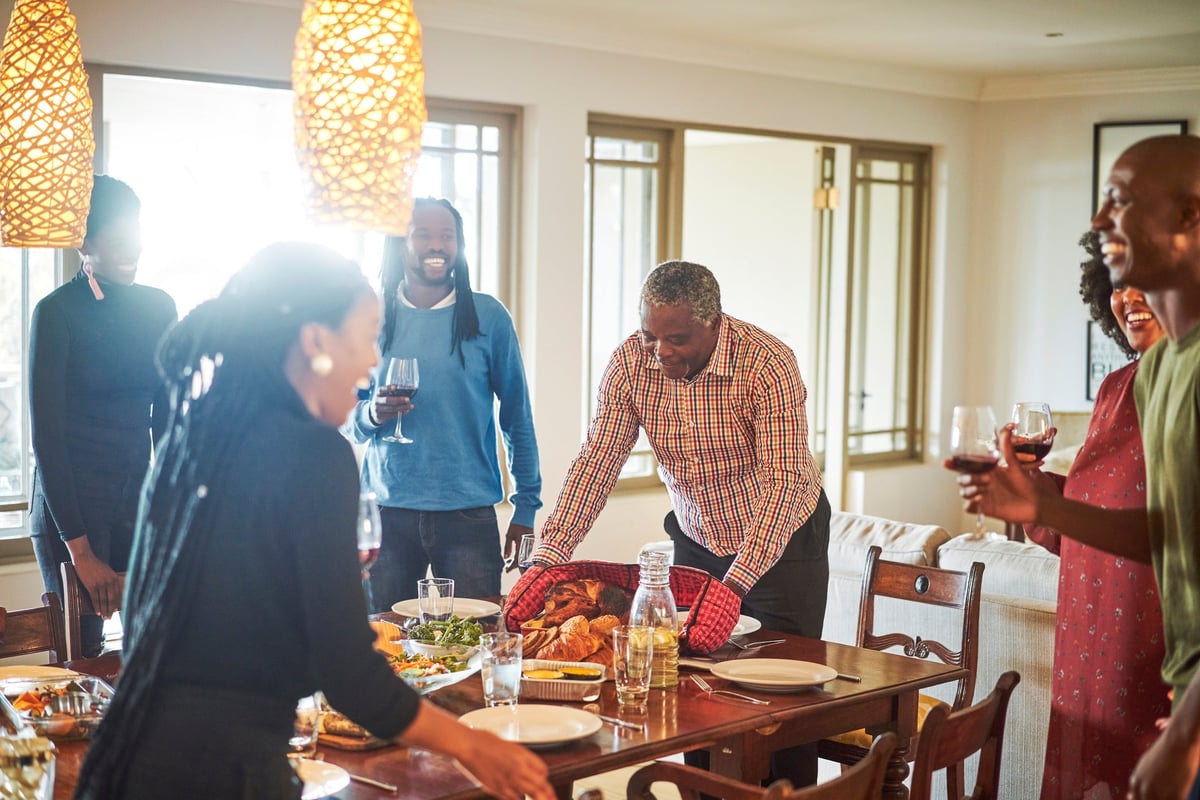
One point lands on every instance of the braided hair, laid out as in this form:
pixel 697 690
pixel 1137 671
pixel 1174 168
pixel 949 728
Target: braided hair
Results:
pixel 1095 287
pixel 391 273
pixel 223 366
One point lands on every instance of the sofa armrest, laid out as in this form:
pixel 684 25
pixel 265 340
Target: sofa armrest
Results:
pixel 851 535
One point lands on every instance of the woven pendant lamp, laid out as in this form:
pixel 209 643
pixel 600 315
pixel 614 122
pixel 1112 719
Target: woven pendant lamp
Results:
pixel 46 142
pixel 360 109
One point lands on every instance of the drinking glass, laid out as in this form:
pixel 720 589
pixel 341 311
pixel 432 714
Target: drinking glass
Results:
pixel 401 380
pixel 973 445
pixel 525 551
pixel 1032 431
pixel 501 667
pixel 633 654
pixel 435 598
pixel 303 743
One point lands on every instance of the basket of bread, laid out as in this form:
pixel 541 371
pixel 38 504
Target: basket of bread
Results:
pixel 567 611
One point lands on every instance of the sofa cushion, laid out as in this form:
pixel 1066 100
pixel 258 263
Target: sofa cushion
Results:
pixel 1015 569
pixel 851 535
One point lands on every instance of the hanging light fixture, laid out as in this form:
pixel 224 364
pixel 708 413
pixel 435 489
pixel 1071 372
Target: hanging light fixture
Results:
pixel 46 142
pixel 360 108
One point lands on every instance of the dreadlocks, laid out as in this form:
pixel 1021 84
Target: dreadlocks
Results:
pixel 391 273
pixel 223 369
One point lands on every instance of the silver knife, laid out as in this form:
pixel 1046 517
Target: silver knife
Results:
pixel 620 723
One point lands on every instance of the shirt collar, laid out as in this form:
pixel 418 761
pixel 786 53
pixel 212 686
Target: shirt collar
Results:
pixel 721 362
pixel 445 302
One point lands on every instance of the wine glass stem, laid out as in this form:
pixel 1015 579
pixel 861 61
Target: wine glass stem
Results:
pixel 979 525
pixel 398 434
pixel 366 583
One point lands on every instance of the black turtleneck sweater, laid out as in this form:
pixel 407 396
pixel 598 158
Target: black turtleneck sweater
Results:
pixel 92 382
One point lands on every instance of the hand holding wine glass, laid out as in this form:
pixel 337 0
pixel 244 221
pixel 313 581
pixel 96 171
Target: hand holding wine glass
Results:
pixel 401 380
pixel 973 445
pixel 1032 432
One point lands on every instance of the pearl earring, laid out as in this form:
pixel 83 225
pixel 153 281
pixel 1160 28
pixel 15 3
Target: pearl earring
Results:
pixel 321 364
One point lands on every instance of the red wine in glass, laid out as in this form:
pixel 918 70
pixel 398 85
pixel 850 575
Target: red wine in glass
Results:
pixel 974 448
pixel 1039 450
pixel 401 380
pixel 1032 430
pixel 367 558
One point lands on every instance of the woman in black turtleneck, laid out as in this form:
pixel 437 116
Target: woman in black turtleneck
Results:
pixel 92 384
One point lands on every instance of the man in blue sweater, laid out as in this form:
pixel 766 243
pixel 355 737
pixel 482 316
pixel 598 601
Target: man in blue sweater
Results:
pixel 437 494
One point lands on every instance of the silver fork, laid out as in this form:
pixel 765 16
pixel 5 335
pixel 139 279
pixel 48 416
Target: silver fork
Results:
pixel 703 684
pixel 755 645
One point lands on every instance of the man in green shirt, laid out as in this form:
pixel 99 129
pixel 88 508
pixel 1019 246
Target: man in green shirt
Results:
pixel 1149 226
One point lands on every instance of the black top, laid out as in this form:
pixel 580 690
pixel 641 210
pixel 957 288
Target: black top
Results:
pixel 92 382
pixel 279 609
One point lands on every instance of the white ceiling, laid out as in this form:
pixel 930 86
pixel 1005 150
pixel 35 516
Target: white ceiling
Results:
pixel 969 38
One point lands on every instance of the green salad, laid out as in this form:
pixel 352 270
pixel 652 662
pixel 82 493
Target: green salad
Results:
pixel 447 632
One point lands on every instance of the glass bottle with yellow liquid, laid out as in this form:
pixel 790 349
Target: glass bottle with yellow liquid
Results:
pixel 654 606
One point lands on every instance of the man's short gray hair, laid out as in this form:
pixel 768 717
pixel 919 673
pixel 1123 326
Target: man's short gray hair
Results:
pixel 682 283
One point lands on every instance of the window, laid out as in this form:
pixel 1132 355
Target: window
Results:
pixel 624 186
pixel 26 276
pixel 883 414
pixel 214 165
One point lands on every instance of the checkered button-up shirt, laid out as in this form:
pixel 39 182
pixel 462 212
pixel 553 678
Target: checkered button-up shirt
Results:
pixel 732 444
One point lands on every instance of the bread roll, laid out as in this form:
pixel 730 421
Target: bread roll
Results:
pixel 571 647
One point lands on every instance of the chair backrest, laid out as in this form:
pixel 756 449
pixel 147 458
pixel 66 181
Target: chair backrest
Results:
pixel 948 738
pixel 35 630
pixel 76 602
pixel 932 586
pixel 863 781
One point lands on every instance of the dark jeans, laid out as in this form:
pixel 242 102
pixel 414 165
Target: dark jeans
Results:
pixel 789 597
pixel 463 545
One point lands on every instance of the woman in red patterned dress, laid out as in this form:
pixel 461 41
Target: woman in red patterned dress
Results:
pixel 1108 649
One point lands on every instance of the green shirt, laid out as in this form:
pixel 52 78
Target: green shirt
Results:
pixel 1167 391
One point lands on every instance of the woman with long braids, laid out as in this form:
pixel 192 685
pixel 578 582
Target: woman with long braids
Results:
pixel 437 495
pixel 243 591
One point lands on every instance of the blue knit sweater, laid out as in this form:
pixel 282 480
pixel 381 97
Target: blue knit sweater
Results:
pixel 452 463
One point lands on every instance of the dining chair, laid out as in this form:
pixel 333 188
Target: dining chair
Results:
pixel 34 630
pixel 863 781
pixel 912 583
pixel 950 737
pixel 76 602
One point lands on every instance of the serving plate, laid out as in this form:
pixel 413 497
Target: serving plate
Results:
pixel 431 683
pixel 774 674
pixel 534 725
pixel 321 779
pixel 463 607
pixel 437 651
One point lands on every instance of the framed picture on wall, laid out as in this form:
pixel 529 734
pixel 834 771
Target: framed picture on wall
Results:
pixel 1103 357
pixel 1109 140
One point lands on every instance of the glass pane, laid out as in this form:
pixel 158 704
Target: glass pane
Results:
pixel 625 150
pixel 489 228
pixel 465 198
pixel 466 137
pixel 491 139
pixel 12 372
pixel 908 171
pixel 884 170
pixel 436 134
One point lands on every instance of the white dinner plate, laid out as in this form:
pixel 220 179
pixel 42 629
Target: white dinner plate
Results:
pixel 463 607
pixel 321 779
pixel 534 725
pixel 34 673
pixel 774 674
pixel 744 624
pixel 431 683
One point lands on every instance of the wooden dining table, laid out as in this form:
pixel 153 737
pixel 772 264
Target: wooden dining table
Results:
pixel 740 736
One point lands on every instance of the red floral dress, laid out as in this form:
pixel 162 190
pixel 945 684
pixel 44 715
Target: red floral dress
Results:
pixel 1108 649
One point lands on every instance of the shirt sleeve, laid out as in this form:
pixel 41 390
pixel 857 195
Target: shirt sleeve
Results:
pixel 791 481
pixel 611 436
pixel 49 343
pixel 356 679
pixel 509 384
pixel 359 428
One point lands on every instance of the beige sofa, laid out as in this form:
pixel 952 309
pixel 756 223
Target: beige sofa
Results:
pixel 1017 620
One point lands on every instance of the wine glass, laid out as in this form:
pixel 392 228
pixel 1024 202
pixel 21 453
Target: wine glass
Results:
pixel 402 379
pixel 525 551
pixel 1032 431
pixel 370 537
pixel 973 445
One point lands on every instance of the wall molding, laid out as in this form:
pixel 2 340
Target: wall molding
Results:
pixel 1084 84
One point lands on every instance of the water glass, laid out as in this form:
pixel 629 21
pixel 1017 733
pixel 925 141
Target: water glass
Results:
pixel 633 655
pixel 303 743
pixel 501 667
pixel 435 598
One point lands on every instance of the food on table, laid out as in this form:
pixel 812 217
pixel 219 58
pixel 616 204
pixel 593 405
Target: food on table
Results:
pixel 62 709
pixel 387 637
pixel 420 666
pixel 444 633
pixel 584 596
pixel 535 638
pixel 544 674
pixel 581 673
pixel 576 641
